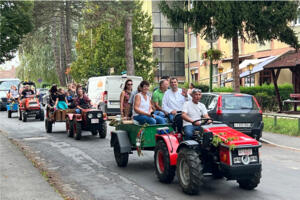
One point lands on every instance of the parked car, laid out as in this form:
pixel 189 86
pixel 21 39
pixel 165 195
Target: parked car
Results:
pixel 5 85
pixel 104 91
pixel 45 99
pixel 42 92
pixel 239 111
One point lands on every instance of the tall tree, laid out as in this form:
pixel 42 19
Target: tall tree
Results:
pixel 252 21
pixel 15 22
pixel 118 12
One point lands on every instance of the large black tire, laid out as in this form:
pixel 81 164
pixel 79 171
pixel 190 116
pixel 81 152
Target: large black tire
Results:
pixel 48 126
pixel 42 115
pixel 20 115
pixel 77 130
pixel 9 114
pixel 121 158
pixel 163 170
pixel 24 117
pixel 250 183
pixel 69 127
pixel 189 171
pixel 102 130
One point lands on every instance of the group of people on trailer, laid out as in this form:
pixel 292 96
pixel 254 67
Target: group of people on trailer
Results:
pixel 73 98
pixel 25 91
pixel 163 106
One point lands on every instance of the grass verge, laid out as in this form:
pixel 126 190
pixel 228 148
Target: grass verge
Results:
pixel 284 126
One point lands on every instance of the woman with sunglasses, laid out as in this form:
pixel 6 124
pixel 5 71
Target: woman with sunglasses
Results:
pixel 124 98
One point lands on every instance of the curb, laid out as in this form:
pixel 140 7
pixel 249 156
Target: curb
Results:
pixel 278 145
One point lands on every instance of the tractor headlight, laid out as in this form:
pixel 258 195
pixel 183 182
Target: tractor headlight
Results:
pixel 90 115
pixel 253 159
pixel 99 115
pixel 237 160
pixel 245 160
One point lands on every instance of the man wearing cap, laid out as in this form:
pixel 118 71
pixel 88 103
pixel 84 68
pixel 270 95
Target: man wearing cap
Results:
pixel 191 111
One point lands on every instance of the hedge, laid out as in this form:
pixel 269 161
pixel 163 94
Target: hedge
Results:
pixel 265 94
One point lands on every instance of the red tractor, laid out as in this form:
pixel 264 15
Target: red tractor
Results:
pixel 215 150
pixel 92 120
pixel 29 105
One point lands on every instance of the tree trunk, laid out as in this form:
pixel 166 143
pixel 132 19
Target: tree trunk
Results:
pixel 56 50
pixel 68 37
pixel 62 45
pixel 129 46
pixel 235 64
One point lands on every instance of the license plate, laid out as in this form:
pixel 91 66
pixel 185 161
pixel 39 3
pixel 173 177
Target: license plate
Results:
pixel 95 121
pixel 245 152
pixel 242 125
pixel 114 103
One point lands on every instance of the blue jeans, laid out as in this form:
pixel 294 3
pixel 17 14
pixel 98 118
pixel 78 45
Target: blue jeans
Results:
pixel 189 131
pixel 142 119
pixel 159 113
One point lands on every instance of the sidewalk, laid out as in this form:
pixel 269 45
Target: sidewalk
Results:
pixel 282 140
pixel 19 179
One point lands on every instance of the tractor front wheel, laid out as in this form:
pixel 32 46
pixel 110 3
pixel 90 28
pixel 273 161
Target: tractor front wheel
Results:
pixel 250 183
pixel 121 158
pixel 77 130
pixel 24 117
pixel 189 171
pixel 163 170
pixel 102 130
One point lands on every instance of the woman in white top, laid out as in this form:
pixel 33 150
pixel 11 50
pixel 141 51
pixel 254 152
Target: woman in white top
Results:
pixel 142 109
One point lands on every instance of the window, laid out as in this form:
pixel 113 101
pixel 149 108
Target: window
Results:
pixel 170 60
pixel 193 41
pixel 250 80
pixel 215 73
pixel 163 31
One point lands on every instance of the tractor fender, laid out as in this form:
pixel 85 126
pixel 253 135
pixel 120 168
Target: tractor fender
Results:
pixel 121 137
pixel 188 144
pixel 172 143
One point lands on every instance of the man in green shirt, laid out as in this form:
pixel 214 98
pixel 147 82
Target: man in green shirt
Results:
pixel 158 95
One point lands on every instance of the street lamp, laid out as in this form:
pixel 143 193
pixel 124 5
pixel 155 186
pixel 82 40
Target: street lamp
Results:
pixel 250 68
pixel 220 69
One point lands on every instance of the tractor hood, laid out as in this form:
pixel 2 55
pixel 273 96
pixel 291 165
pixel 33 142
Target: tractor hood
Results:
pixel 231 136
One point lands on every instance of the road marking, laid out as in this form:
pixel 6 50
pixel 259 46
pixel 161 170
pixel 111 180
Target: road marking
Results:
pixel 35 138
pixel 278 145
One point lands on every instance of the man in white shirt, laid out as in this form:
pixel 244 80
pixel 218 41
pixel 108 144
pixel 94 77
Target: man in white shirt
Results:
pixel 191 111
pixel 174 99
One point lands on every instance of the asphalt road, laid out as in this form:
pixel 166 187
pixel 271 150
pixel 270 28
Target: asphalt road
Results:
pixel 87 168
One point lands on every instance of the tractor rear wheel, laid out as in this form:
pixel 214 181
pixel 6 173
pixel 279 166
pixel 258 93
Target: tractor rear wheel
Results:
pixel 69 127
pixel 9 114
pixel 24 117
pixel 250 183
pixel 121 158
pixel 48 126
pixel 77 130
pixel 189 170
pixel 163 170
pixel 102 130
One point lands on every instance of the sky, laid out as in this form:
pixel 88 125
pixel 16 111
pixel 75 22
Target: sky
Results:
pixel 13 62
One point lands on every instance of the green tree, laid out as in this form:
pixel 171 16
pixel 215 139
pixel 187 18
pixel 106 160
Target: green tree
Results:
pixel 252 21
pixel 102 48
pixel 15 22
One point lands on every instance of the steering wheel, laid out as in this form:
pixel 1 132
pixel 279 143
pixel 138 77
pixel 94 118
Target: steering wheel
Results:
pixel 202 120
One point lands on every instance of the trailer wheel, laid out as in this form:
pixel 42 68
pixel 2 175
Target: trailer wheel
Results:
pixel 48 126
pixel 121 158
pixel 163 170
pixel 69 127
pixel 20 115
pixel 9 113
pixel 250 183
pixel 189 171
pixel 42 115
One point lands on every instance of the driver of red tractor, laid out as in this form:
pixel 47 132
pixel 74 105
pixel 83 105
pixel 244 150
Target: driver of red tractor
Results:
pixel 82 101
pixel 27 92
pixel 193 110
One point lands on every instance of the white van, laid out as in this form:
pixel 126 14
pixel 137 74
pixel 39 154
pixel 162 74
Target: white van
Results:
pixel 104 91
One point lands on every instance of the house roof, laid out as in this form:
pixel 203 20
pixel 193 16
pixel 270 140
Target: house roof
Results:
pixel 287 60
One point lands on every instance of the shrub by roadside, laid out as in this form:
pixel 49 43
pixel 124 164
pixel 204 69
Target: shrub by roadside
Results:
pixel 284 126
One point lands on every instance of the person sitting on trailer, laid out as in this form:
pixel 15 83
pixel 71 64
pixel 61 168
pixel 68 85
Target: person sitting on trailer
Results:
pixel 82 101
pixel 61 100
